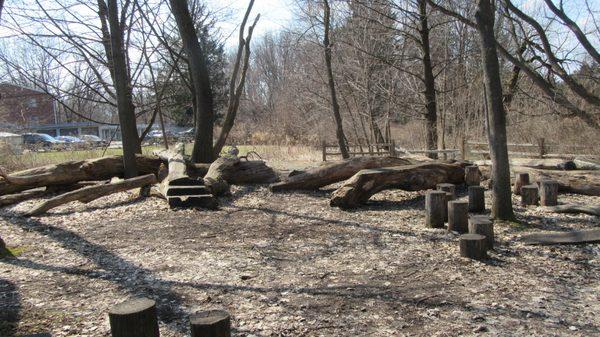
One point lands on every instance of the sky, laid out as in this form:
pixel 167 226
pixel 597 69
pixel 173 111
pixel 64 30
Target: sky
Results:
pixel 274 15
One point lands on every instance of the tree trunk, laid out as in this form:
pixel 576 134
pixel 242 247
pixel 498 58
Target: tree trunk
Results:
pixel 91 193
pixel 334 103
pixel 202 92
pixel 358 189
pixel 428 81
pixel 122 83
pixel 317 177
pixel 496 116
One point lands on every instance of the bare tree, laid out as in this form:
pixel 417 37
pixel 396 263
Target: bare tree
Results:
pixel 341 137
pixel 496 116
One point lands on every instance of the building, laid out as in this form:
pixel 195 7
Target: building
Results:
pixel 21 107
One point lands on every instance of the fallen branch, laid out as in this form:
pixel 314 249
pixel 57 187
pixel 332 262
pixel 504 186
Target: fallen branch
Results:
pixel 90 193
pixel 317 177
pixel 359 189
pixel 573 208
pixel 574 237
pixel 11 199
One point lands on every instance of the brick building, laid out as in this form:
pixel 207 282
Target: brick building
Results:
pixel 23 108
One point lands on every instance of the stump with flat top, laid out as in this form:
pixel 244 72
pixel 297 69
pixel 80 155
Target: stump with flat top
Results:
pixel 484 226
pixel 548 193
pixel 476 198
pixel 458 216
pixel 434 208
pixel 212 323
pixel 521 179
pixel 449 188
pixel 472 175
pixel 449 197
pixel 473 246
pixel 529 195
pixel 134 318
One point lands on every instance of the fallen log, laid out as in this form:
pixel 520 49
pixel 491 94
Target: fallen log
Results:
pixel 574 237
pixel 71 172
pixel 577 182
pixel 358 189
pixel 317 177
pixel 548 164
pixel 232 170
pixel 11 199
pixel 574 208
pixel 90 193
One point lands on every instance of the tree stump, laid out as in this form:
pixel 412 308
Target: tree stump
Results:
pixel 472 175
pixel 212 323
pixel 476 198
pixel 521 179
pixel 449 188
pixel 548 193
pixel 434 208
pixel 473 246
pixel 458 216
pixel 449 197
pixel 484 226
pixel 134 318
pixel 529 195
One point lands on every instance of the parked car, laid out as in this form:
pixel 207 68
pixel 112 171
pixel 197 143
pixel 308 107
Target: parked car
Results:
pixel 41 141
pixel 186 135
pixel 93 140
pixel 70 139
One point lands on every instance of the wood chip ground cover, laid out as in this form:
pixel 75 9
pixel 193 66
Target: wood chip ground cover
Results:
pixel 289 265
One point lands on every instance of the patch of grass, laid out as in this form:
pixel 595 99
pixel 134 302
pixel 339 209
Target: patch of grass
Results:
pixel 12 251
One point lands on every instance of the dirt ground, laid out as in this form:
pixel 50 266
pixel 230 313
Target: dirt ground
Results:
pixel 289 265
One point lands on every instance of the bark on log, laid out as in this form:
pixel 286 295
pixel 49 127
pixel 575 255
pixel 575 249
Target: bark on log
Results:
pixel 521 179
pixel 485 227
pixel 476 199
pixel 473 246
pixel 11 199
pixel 71 172
pixel 213 323
pixel 232 170
pixel 317 177
pixel 434 209
pixel 458 216
pixel 577 182
pixel 472 175
pixel 358 189
pixel 573 208
pixel 548 192
pixel 568 238
pixel 134 318
pixel 529 195
pixel 88 194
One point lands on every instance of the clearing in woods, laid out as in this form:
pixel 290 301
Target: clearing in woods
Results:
pixel 288 264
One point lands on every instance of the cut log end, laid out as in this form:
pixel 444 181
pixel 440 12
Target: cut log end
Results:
pixel 473 246
pixel 529 195
pixel 134 318
pixel 213 323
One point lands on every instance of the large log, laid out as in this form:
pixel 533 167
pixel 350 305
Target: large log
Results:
pixel 71 172
pixel 563 238
pixel 10 199
pixel 577 182
pixel 233 170
pixel 547 164
pixel 90 193
pixel 358 189
pixel 573 208
pixel 317 177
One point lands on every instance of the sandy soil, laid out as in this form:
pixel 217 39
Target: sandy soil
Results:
pixel 289 265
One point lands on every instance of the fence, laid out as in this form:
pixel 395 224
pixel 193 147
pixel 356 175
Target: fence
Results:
pixel 542 149
pixel 379 149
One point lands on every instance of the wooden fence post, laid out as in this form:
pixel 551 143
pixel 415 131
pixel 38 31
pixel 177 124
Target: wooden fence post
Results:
pixel 463 148
pixel 324 147
pixel 542 150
